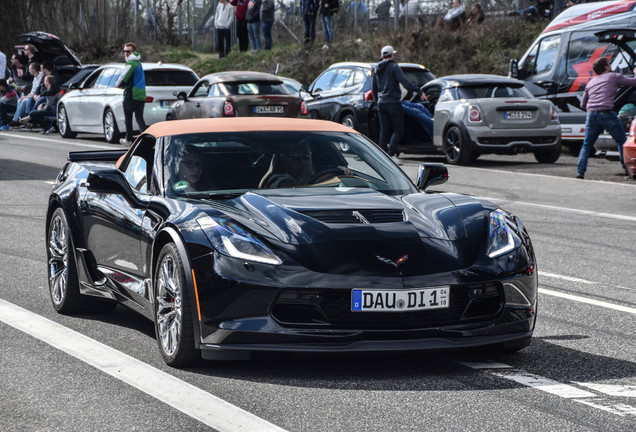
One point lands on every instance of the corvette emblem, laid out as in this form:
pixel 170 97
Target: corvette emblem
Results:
pixel 396 263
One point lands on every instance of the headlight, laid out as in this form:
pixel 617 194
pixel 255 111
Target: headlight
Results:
pixel 232 240
pixel 501 238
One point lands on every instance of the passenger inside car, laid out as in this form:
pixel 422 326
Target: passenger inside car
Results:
pixel 189 170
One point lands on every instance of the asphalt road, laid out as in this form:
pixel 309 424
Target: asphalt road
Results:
pixel 104 372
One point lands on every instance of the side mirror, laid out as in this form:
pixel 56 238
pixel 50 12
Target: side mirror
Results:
pixel 181 96
pixel 430 174
pixel 513 68
pixel 112 182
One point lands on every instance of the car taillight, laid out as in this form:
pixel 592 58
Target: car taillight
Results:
pixel 149 98
pixel 62 92
pixel 368 96
pixel 303 108
pixel 228 109
pixel 554 115
pixel 474 115
pixel 632 128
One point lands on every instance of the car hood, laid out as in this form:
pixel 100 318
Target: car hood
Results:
pixel 51 47
pixel 330 230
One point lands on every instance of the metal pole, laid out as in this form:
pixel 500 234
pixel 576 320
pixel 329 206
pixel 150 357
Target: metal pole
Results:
pixel 192 23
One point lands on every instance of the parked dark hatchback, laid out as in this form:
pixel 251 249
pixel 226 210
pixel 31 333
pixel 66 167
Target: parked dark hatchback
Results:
pixel 342 93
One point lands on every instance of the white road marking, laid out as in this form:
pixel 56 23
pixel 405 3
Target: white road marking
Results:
pixel 192 401
pixel 565 391
pixel 568 210
pixel 65 142
pixel 571 179
pixel 611 389
pixel 588 301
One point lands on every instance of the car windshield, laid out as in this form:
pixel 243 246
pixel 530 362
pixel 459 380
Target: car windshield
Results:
pixel 165 77
pixel 223 165
pixel 254 88
pixel 495 90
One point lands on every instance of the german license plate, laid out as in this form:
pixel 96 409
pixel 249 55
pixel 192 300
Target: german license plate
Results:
pixel 400 300
pixel 517 115
pixel 269 109
pixel 166 103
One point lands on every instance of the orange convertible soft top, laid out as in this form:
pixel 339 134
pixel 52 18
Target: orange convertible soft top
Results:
pixel 242 124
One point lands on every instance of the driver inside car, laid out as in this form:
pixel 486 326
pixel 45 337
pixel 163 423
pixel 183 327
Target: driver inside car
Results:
pixel 296 168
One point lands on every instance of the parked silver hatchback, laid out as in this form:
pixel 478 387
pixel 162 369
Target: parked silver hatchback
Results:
pixel 96 105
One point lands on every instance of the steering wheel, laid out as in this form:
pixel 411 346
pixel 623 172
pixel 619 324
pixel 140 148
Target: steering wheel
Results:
pixel 335 171
pixel 338 172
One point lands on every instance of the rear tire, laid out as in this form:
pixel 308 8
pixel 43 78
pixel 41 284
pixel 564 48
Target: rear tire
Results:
pixel 111 131
pixel 62 123
pixel 455 147
pixel 548 156
pixel 173 311
pixel 349 121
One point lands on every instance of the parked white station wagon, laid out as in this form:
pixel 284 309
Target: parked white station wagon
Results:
pixel 96 105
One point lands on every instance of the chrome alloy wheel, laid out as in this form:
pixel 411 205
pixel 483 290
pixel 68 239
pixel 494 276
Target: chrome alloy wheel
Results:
pixel 169 305
pixel 62 122
pixel 109 126
pixel 58 260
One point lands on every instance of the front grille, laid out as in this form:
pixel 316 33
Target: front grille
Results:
pixel 332 307
pixel 371 216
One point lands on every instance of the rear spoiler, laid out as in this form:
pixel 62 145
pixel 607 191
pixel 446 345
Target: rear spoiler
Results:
pixel 96 155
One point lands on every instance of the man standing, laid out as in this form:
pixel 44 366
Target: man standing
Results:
pixel 387 78
pixel 598 101
pixel 223 19
pixel 309 8
pixel 134 82
pixel 241 24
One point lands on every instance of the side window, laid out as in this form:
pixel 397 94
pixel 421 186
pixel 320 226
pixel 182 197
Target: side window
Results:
pixel 543 56
pixel 115 77
pixel 215 90
pixel 138 171
pixel 358 77
pixel 104 78
pixel 201 90
pixel 90 81
pixel 342 79
pixel 136 174
pixel 324 81
pixel 448 94
pixel 583 49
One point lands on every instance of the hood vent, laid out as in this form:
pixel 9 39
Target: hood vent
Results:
pixel 367 216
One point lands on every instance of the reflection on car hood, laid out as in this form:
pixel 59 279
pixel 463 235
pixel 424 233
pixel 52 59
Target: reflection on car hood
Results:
pixel 348 230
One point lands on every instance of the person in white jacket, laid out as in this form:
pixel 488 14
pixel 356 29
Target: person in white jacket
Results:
pixel 223 19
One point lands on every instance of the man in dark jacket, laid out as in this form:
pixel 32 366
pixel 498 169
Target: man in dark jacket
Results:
pixel 387 78
pixel 309 9
pixel 241 24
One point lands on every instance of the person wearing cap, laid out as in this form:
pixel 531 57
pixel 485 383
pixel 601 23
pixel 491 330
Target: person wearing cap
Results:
pixel 387 78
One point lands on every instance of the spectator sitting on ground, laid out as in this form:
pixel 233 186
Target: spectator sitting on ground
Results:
pixel 27 101
pixel 44 115
pixel 542 9
pixel 476 15
pixel 8 103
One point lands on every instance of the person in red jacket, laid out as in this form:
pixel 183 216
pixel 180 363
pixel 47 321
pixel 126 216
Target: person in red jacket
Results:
pixel 241 23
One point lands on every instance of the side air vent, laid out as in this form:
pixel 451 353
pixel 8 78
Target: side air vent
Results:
pixel 367 216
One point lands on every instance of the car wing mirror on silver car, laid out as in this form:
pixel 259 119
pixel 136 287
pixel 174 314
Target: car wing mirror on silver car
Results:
pixel 430 174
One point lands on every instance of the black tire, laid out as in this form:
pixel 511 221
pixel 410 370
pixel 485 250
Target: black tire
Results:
pixel 64 128
pixel 172 314
pixel 63 281
pixel 111 130
pixel 549 156
pixel 455 147
pixel 349 120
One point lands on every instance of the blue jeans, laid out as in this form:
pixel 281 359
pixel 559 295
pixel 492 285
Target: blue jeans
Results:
pixel 267 33
pixel 24 107
pixel 327 27
pixel 391 126
pixel 254 30
pixel 421 114
pixel 595 123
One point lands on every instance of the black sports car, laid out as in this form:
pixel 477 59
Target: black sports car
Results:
pixel 243 234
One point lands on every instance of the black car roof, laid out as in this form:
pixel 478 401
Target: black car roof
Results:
pixel 475 79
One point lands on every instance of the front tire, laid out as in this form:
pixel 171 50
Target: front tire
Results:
pixel 456 148
pixel 111 131
pixel 173 312
pixel 64 128
pixel 63 281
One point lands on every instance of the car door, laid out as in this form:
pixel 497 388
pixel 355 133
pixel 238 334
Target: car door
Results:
pixel 192 107
pixel 94 97
pixel 112 226
pixel 320 86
